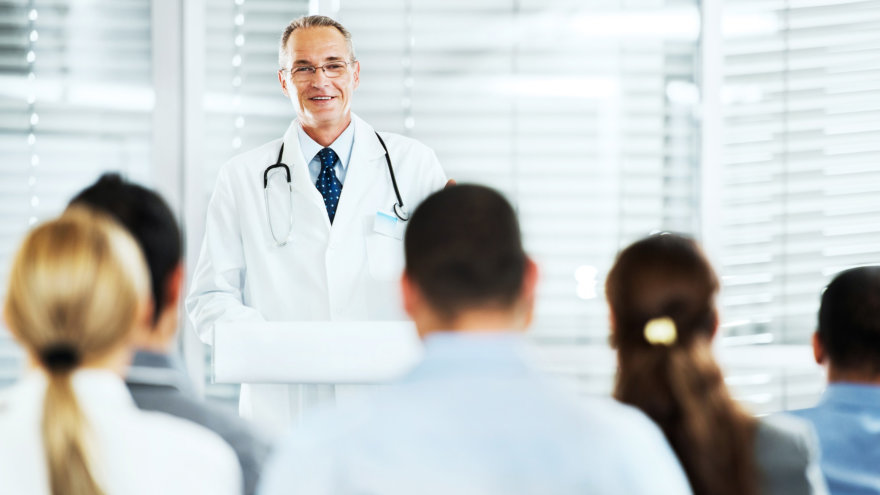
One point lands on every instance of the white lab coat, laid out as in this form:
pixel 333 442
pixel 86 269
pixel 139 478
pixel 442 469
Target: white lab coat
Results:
pixel 345 273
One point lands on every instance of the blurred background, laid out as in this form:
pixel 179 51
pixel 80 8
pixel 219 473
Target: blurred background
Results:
pixel 753 125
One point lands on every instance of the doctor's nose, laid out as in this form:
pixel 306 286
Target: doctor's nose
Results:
pixel 319 78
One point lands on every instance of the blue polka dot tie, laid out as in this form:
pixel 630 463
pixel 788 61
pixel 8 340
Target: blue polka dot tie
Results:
pixel 327 183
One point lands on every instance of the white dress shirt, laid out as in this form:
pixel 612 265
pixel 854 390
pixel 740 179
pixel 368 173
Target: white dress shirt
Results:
pixel 134 452
pixel 342 147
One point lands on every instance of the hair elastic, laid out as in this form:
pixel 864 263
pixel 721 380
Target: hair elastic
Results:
pixel 60 358
pixel 661 331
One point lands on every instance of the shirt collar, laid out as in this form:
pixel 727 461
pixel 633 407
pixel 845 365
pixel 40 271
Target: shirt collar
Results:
pixel 95 388
pixel 853 394
pixel 341 146
pixel 474 353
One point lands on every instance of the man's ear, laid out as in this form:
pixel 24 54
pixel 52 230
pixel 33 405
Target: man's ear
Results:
pixel 357 74
pixel 283 84
pixel 410 295
pixel 528 290
pixel 173 286
pixel 530 279
pixel 818 349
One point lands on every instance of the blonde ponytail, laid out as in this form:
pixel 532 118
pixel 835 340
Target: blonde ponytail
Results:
pixel 75 290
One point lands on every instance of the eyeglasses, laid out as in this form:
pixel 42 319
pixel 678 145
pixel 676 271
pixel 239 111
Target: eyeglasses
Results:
pixel 305 72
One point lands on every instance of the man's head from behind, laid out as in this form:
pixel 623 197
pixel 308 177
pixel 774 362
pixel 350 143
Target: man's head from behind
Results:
pixel 149 220
pixel 848 338
pixel 465 265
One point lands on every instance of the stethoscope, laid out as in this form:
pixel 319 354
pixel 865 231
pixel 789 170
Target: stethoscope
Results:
pixel 399 210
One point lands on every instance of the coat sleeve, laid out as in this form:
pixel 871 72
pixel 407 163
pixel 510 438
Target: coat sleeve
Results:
pixel 218 281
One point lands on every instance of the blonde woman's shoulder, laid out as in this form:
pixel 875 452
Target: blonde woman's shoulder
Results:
pixel 182 457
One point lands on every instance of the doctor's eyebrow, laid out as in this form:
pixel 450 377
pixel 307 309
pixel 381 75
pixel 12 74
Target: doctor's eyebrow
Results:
pixel 326 59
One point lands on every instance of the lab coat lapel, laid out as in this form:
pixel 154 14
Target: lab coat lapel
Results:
pixel 299 170
pixel 364 169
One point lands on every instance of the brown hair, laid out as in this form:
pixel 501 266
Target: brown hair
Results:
pixel 677 382
pixel 75 289
pixel 311 21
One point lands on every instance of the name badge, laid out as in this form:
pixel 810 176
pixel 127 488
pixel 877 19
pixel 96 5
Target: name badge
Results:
pixel 388 225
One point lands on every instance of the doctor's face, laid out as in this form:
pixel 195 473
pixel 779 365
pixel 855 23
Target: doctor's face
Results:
pixel 321 101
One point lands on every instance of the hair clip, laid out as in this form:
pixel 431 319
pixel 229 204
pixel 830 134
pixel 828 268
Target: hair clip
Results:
pixel 661 331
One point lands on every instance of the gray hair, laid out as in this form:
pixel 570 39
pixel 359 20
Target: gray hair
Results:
pixel 311 21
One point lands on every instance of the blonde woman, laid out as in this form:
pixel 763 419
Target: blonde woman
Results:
pixel 77 288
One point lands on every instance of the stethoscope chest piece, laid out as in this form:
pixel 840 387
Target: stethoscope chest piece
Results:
pixel 401 212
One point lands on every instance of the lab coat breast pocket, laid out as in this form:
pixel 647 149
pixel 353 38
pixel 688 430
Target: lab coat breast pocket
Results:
pixel 384 256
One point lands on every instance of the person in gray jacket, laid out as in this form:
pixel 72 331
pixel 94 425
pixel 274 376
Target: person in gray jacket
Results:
pixel 661 292
pixel 156 380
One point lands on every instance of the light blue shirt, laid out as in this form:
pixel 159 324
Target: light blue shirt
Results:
pixel 472 418
pixel 342 147
pixel 847 420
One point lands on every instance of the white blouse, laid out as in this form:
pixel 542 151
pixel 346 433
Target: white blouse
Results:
pixel 134 452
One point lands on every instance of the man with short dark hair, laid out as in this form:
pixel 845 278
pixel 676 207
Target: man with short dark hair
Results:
pixel 847 418
pixel 156 380
pixel 473 418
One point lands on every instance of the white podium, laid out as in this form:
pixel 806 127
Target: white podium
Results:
pixel 314 352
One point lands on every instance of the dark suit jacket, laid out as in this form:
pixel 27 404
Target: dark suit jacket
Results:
pixel 157 384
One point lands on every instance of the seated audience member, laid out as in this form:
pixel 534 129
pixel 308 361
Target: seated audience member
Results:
pixel 661 292
pixel 156 380
pixel 473 418
pixel 77 288
pixel 847 417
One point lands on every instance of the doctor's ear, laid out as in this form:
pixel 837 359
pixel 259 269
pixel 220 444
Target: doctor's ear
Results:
pixel 356 76
pixel 283 82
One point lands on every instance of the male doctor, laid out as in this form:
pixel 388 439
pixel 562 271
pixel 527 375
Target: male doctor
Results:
pixel 324 244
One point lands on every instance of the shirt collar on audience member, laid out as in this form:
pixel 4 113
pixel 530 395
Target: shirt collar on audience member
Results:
pixel 853 394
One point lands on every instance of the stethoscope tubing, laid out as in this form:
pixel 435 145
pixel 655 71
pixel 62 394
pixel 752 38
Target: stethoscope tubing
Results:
pixel 403 214
pixel 399 210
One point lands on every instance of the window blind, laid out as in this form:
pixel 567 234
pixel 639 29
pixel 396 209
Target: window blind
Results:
pixel 583 114
pixel 75 100
pixel 801 143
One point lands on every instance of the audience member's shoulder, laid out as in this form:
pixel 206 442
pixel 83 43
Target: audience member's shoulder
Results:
pixel 786 437
pixel 185 435
pixel 787 456
pixel 612 415
pixel 785 428
pixel 232 428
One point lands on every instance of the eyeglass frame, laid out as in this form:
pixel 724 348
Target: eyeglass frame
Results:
pixel 313 70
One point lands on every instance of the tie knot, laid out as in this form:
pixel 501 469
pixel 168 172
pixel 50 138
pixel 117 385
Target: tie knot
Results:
pixel 328 157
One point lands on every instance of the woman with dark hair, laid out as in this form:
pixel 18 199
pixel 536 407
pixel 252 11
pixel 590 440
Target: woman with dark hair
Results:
pixel 661 292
